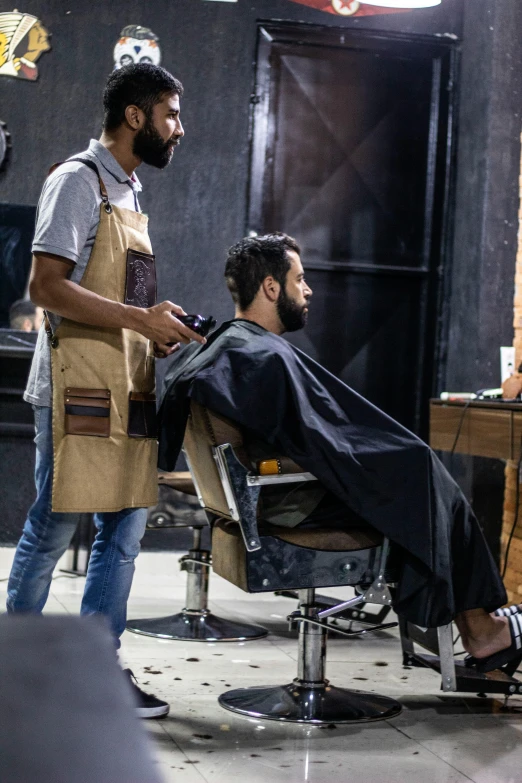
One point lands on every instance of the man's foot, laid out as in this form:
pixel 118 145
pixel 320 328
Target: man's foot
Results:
pixel 508 658
pixel 491 639
pixel 147 706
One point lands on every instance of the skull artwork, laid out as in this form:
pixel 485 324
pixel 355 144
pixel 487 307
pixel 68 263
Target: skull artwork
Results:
pixel 136 45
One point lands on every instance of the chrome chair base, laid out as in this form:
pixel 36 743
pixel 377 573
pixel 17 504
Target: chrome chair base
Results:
pixel 318 705
pixel 196 627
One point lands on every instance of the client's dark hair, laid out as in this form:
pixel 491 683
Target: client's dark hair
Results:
pixel 142 85
pixel 252 260
pixel 20 311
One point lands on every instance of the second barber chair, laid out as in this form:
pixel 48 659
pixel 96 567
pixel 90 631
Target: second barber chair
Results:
pixel 178 507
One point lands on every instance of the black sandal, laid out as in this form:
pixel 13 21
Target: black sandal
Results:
pixel 508 659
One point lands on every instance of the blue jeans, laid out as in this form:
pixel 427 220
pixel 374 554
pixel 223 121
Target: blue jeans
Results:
pixel 47 535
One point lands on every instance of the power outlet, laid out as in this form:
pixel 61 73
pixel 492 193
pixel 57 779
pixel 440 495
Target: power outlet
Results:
pixel 507 362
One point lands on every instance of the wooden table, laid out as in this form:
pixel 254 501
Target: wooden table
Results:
pixel 488 429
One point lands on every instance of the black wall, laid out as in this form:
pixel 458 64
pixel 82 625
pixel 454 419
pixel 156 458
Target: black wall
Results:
pixel 487 196
pixel 479 309
pixel 197 206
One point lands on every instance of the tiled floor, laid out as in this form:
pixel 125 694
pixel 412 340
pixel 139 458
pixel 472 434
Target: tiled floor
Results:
pixel 436 739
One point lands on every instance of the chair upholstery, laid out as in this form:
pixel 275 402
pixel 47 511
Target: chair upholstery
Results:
pixel 326 539
pixel 291 558
pixel 205 430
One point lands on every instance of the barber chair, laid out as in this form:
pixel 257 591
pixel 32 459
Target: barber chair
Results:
pixel 195 622
pixel 266 559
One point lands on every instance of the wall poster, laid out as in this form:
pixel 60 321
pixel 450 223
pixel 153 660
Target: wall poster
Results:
pixel 23 39
pixel 348 7
pixel 5 145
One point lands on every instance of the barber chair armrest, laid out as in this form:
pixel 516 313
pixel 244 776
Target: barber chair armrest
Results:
pixel 242 488
pixel 254 480
pixel 240 496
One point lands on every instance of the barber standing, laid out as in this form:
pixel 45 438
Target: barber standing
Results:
pixel 92 378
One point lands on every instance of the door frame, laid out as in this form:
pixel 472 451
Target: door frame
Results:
pixel 441 173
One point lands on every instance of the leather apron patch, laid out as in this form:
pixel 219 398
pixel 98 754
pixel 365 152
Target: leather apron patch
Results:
pixel 140 282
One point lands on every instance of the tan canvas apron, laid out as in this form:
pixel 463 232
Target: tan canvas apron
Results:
pixel 102 367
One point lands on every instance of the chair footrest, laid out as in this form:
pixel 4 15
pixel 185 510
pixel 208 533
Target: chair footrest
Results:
pixel 469 680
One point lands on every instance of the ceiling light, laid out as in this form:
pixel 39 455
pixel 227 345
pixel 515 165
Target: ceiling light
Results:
pixel 402 3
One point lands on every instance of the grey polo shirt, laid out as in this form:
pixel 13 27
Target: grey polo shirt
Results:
pixel 66 224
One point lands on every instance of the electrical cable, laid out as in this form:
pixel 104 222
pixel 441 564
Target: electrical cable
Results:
pixel 459 428
pixel 515 521
pixel 517 495
pixel 478 396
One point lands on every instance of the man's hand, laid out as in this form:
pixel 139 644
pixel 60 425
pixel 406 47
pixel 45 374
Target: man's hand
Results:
pixel 159 324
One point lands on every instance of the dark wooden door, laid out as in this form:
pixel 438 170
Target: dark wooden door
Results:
pixel 351 154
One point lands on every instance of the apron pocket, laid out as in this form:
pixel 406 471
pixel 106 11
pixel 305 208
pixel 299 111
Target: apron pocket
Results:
pixel 87 412
pixel 142 416
pixel 140 281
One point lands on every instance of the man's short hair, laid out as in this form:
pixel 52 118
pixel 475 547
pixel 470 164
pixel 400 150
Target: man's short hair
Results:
pixel 252 260
pixel 142 85
pixel 20 311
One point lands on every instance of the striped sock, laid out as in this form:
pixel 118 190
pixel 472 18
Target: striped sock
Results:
pixel 507 611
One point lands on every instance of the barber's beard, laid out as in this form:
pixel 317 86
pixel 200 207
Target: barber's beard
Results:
pixel 293 316
pixel 151 148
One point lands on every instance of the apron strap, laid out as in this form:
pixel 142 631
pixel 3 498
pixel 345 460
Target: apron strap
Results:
pixel 92 165
pixel 103 190
pixel 108 208
pixel 53 340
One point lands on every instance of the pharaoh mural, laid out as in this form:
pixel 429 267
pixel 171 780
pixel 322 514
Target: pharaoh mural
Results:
pixel 23 39
pixel 136 45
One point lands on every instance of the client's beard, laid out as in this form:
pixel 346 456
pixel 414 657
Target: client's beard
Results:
pixel 151 148
pixel 292 315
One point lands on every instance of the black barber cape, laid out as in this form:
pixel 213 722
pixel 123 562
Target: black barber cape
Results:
pixel 377 467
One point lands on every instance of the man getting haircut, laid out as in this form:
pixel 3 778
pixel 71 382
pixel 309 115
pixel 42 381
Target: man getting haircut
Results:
pixel 368 466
